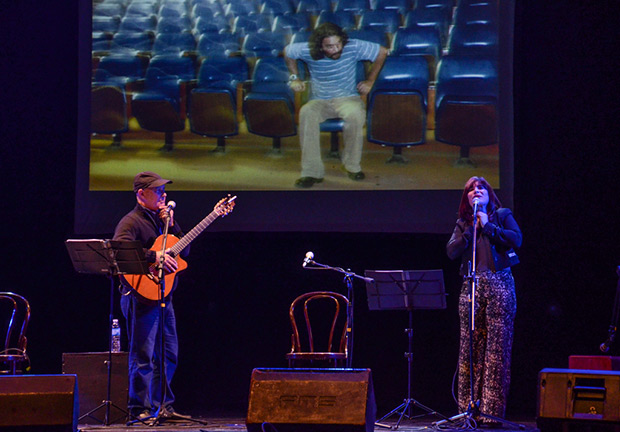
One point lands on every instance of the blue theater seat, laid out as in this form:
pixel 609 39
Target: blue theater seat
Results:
pixel 174 43
pixel 439 18
pixel 387 21
pixel 474 39
pixel 466 112
pixel 161 107
pixel 101 42
pixel 108 24
pixel 170 24
pixel 343 19
pixel 401 6
pixel 108 10
pixel 138 24
pixel 424 41
pixel 355 6
pixel 269 107
pixel 398 104
pixel 277 7
pixel 289 24
pixel 144 9
pixel 480 14
pixel 216 100
pixel 434 4
pixel 257 45
pixel 218 45
pixel 247 24
pixel 314 7
pixel 132 42
pixel 375 36
pixel 115 77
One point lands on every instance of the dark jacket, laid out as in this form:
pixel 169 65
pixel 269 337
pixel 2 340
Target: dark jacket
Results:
pixel 502 232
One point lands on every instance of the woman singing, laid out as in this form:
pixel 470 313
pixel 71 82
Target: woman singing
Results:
pixel 497 234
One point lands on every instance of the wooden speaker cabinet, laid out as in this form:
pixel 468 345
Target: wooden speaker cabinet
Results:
pixel 91 369
pixel 299 400
pixel 578 400
pixel 38 403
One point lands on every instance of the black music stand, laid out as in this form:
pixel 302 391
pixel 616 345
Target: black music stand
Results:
pixel 110 258
pixel 406 290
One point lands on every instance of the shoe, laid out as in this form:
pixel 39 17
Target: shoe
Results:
pixel 142 416
pixel 355 176
pixel 306 182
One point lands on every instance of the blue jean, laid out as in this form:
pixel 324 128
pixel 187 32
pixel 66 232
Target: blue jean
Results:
pixel 144 352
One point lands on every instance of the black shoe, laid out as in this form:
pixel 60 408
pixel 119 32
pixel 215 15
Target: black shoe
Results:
pixel 356 176
pixel 306 182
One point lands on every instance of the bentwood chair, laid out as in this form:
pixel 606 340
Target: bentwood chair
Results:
pixel 14 318
pixel 319 323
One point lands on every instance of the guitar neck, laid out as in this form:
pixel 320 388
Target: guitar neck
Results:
pixel 195 232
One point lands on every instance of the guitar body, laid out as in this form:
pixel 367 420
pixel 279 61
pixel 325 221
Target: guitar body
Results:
pixel 147 285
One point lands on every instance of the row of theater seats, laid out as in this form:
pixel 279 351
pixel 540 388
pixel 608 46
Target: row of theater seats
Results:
pixel 475 21
pixel 208 82
pixel 170 92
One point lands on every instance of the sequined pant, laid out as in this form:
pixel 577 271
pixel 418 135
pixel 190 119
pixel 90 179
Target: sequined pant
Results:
pixel 496 306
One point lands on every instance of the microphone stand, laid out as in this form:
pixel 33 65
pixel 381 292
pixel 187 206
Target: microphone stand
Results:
pixel 473 408
pixel 613 327
pixel 348 279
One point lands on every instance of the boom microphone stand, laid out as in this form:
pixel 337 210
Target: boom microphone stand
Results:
pixel 348 279
pixel 473 409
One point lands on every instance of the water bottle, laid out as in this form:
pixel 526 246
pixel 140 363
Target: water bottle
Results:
pixel 116 336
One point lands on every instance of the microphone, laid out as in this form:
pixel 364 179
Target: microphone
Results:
pixel 308 258
pixel 171 205
pixel 475 201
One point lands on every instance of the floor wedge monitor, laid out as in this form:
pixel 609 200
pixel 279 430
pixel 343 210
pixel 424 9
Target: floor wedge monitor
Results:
pixel 300 400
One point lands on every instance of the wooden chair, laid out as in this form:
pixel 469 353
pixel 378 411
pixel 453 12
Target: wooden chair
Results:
pixel 319 322
pixel 15 314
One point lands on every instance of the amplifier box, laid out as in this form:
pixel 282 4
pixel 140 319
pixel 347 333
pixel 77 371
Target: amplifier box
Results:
pixel 91 369
pixel 571 399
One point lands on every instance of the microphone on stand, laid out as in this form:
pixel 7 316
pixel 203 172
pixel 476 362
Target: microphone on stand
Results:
pixel 170 205
pixel 476 200
pixel 308 258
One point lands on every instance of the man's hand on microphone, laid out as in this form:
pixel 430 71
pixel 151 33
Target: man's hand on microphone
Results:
pixel 163 213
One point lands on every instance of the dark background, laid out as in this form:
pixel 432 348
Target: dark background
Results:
pixel 233 300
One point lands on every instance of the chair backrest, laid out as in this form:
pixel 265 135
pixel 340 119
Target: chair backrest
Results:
pixel 467 78
pixel 14 318
pixel 474 39
pixel 263 45
pixel 319 321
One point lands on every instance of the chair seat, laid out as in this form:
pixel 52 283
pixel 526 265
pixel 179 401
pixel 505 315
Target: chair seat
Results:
pixel 316 356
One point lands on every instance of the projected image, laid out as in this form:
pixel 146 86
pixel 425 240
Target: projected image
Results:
pixel 200 91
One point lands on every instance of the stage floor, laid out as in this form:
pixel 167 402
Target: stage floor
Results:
pixel 226 424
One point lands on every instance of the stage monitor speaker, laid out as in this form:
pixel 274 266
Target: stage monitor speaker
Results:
pixel 38 403
pixel 576 400
pixel 304 400
pixel 91 369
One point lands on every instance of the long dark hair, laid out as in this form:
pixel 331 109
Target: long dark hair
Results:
pixel 325 30
pixel 465 210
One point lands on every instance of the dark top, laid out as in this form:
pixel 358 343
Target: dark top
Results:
pixel 495 246
pixel 145 226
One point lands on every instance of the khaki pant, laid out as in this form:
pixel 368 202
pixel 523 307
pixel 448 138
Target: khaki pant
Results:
pixel 312 114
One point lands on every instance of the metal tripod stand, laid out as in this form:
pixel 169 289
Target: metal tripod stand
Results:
pixel 406 290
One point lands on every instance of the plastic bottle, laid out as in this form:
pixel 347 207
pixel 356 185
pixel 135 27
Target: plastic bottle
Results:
pixel 116 336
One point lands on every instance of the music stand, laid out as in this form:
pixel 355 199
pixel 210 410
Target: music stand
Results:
pixel 110 258
pixel 406 290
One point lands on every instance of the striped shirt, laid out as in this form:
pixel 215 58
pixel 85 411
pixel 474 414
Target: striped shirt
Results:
pixel 334 78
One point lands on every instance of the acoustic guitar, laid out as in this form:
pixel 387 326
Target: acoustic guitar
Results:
pixel 147 285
